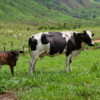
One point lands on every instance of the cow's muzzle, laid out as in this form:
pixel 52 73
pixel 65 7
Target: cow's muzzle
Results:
pixel 91 44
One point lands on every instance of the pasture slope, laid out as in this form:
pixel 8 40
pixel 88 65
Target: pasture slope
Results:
pixel 47 10
pixel 49 82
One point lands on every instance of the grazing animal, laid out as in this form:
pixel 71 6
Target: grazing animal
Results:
pixel 9 58
pixel 55 43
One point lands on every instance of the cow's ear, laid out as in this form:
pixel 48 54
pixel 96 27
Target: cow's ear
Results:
pixel 84 32
pixel 92 34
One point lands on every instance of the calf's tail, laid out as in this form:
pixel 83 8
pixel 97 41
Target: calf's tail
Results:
pixel 21 51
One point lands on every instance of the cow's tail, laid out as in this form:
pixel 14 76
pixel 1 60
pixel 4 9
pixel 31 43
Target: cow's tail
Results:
pixel 29 45
pixel 32 43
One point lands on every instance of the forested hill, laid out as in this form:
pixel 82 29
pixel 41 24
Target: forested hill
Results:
pixel 57 10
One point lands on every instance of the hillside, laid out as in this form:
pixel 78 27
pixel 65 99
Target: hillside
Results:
pixel 84 9
pixel 28 10
pixel 97 0
pixel 49 10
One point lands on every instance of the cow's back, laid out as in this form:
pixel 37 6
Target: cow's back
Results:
pixel 51 42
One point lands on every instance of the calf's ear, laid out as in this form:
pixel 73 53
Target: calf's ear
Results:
pixel 21 51
pixel 14 52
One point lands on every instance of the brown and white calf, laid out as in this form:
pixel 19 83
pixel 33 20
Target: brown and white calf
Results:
pixel 55 43
pixel 9 58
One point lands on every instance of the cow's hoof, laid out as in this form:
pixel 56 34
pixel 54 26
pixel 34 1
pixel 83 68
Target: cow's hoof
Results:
pixel 70 69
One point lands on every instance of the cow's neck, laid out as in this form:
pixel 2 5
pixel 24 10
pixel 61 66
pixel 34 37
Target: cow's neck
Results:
pixel 83 44
pixel 79 43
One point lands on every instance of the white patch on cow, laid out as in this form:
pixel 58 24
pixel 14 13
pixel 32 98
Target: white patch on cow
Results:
pixel 67 34
pixel 40 48
pixel 46 47
pixel 89 33
pixel 38 36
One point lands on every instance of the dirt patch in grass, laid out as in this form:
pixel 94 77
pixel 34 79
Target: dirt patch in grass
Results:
pixel 96 40
pixel 7 96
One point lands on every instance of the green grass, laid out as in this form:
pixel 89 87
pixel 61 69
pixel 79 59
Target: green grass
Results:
pixel 50 80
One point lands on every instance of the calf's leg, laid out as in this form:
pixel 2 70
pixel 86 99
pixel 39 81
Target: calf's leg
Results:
pixel 12 70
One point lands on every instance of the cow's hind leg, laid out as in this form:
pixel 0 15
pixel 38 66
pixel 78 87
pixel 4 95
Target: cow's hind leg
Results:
pixel 32 64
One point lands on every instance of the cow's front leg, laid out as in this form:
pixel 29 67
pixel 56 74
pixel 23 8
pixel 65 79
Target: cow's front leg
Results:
pixel 70 69
pixel 68 62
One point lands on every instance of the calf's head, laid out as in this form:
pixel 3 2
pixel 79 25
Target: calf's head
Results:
pixel 15 54
pixel 87 38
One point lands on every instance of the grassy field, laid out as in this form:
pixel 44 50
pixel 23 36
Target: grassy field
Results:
pixel 49 82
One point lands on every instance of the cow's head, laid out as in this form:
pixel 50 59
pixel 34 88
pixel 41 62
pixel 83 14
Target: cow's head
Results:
pixel 87 38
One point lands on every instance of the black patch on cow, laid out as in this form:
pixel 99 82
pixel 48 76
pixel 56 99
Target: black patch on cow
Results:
pixel 32 43
pixel 57 42
pixel 44 39
pixel 74 43
pixel 70 61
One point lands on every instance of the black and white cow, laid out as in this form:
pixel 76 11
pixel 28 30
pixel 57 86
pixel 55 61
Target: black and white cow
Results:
pixel 55 43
